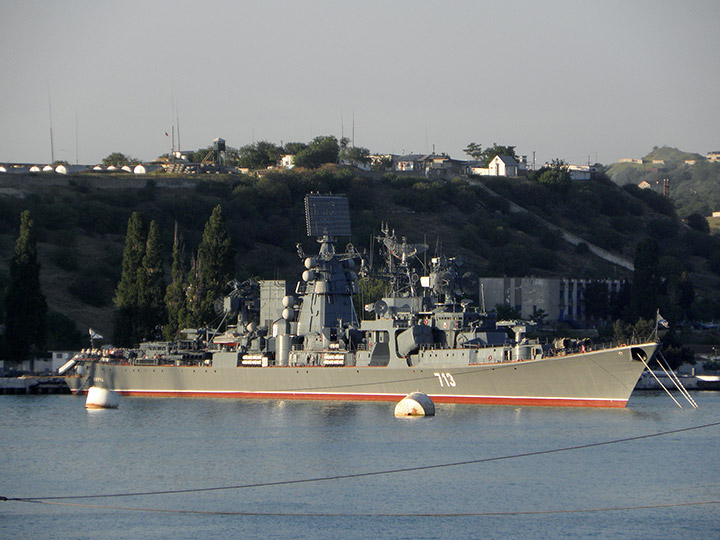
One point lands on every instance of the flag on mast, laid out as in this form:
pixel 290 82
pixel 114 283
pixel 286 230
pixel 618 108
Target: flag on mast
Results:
pixel 94 334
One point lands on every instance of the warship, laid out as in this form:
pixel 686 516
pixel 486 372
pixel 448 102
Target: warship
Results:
pixel 309 343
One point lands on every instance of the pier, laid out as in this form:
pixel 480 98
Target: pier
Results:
pixel 34 385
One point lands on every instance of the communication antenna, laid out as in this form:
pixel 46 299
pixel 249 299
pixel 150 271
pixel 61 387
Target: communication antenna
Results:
pixel 177 121
pixel 76 139
pixel 52 144
pixel 172 123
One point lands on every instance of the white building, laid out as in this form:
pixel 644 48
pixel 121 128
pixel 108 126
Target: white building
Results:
pixel 581 172
pixel 143 168
pixel 288 161
pixel 499 166
pixel 503 166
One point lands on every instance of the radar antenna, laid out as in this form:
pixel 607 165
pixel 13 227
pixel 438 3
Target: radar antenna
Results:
pixel 327 215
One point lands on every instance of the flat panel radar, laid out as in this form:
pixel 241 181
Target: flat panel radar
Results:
pixel 327 215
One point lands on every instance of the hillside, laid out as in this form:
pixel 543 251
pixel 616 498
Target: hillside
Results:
pixel 694 187
pixel 81 223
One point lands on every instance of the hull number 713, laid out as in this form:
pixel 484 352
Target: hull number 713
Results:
pixel 446 379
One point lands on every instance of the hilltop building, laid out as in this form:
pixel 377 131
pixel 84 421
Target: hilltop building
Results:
pixel 427 164
pixel 499 166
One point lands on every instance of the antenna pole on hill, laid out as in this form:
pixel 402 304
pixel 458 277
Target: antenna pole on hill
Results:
pixel 52 144
pixel 76 139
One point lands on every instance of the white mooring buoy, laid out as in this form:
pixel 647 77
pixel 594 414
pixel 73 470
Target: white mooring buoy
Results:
pixel 415 404
pixel 101 398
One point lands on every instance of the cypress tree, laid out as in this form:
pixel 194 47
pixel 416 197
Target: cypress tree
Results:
pixel 25 305
pixel 192 298
pixel 176 292
pixel 646 280
pixel 215 265
pixel 127 295
pixel 151 287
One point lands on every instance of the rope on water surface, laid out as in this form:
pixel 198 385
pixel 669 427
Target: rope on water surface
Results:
pixel 379 514
pixel 46 500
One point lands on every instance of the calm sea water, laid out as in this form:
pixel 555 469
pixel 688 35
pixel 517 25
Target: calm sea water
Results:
pixel 52 446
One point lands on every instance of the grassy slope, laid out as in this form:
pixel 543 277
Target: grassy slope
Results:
pixel 81 228
pixel 693 188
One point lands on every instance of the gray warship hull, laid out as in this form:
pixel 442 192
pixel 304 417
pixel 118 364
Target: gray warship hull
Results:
pixel 603 378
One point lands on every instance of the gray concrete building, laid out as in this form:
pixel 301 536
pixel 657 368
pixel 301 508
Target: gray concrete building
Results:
pixel 561 299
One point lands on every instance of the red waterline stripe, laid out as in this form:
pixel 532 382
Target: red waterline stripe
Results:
pixel 480 400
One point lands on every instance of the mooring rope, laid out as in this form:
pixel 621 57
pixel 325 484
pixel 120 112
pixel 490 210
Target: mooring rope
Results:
pixel 675 379
pixel 660 383
pixel 378 514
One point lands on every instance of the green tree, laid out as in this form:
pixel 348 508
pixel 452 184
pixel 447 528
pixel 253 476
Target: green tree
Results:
pixel 382 164
pixel 62 333
pixel 698 222
pixel 151 288
pixel 25 305
pixel 474 150
pixel 557 174
pixel 627 332
pixel 259 155
pixel 116 159
pixel 192 297
pixel 294 148
pixel 539 316
pixel 175 294
pixel 646 280
pixel 214 265
pixel 370 290
pixel 597 301
pixel 506 312
pixel 199 155
pixel 489 154
pixel 354 155
pixel 321 150
pixel 686 292
pixel 127 295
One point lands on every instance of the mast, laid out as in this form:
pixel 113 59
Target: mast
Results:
pixel 177 121
pixel 52 144
pixel 76 139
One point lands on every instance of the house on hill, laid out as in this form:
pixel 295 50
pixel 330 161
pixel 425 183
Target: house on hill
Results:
pixel 581 172
pixel 427 164
pixel 407 163
pixel 499 166
pixel 503 166
pixel 713 156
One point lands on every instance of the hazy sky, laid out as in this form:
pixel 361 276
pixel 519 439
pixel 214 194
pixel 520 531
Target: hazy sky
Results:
pixel 566 79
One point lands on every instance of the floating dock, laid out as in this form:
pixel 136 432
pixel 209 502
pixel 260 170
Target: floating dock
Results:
pixel 34 385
